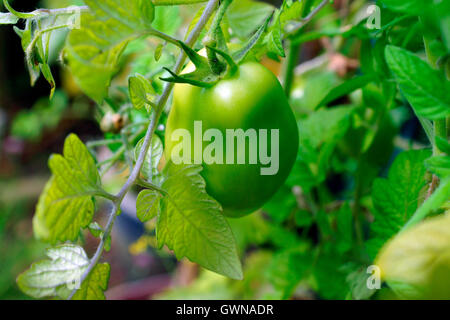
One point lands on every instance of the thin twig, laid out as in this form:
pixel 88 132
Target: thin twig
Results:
pixel 165 37
pixel 101 143
pixel 293 28
pixel 192 38
pixel 433 185
pixel 315 11
pixel 151 186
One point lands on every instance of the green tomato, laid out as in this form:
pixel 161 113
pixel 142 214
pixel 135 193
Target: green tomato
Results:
pixel 253 100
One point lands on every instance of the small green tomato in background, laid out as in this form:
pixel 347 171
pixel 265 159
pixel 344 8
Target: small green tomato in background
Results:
pixel 251 98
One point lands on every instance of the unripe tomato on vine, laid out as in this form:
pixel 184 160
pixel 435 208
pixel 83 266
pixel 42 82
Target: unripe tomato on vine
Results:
pixel 247 101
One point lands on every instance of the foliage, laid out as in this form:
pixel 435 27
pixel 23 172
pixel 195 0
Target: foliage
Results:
pixel 363 191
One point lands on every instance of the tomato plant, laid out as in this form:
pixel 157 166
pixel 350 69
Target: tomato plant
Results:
pixel 288 149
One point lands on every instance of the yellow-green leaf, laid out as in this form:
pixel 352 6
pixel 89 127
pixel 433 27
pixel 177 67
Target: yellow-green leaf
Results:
pixel 416 263
pixel 66 204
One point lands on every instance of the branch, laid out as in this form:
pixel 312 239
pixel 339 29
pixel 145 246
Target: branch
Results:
pixel 165 37
pixel 293 28
pixel 192 38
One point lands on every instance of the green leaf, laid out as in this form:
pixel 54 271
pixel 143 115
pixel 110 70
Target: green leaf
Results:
pixel 281 205
pixel 443 145
pixel 244 231
pixel 95 284
pixel 437 200
pixel 206 286
pixel 357 280
pixel 142 93
pixel 308 94
pixel 36 43
pixel 47 73
pixel 32 64
pixel 251 48
pixel 55 277
pixel 167 19
pixel 303 218
pixel 191 223
pixel 291 11
pixel 148 205
pixel 319 134
pixel 344 222
pixel 93 51
pixel 396 198
pixel 325 126
pixel 194 22
pixel 330 276
pixel 425 88
pixel 66 203
pixel 274 41
pixel 345 88
pixel 323 221
pixel 407 6
pixel 45 114
pixel 158 52
pixel 439 165
pixel 244 16
pixel 8 18
pixel 95 229
pixel 75 169
pixel 152 158
pixel 288 268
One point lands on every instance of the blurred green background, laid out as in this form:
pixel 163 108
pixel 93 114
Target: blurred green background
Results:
pixel 274 243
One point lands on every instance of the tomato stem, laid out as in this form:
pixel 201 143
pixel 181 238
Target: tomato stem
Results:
pixel 439 196
pixel 212 39
pixel 294 50
pixel 165 37
pixel 440 130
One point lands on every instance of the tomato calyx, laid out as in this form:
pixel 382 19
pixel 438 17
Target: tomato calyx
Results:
pixel 218 64
pixel 207 71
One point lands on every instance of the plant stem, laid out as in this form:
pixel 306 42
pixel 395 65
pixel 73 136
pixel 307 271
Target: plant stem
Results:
pixel 150 186
pixel 118 154
pixel 38 35
pixel 294 47
pixel 448 126
pixel 217 67
pixel 435 197
pixel 299 25
pixel 307 4
pixel 218 18
pixel 165 37
pixel 315 11
pixel 356 209
pixel 193 36
pixel 294 50
pixel 439 196
pixel 99 143
pixel 440 130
